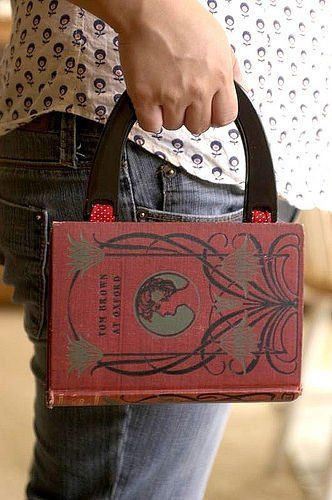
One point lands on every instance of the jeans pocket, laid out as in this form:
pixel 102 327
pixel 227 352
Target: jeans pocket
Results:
pixel 23 245
pixel 163 192
pixel 148 214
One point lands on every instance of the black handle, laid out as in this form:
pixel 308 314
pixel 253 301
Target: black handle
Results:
pixel 260 189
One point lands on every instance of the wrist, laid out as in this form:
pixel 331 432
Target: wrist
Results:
pixel 122 15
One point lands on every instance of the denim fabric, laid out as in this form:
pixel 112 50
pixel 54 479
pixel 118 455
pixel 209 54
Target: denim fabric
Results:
pixel 121 452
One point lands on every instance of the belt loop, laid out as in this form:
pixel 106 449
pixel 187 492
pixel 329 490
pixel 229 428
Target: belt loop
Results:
pixel 68 140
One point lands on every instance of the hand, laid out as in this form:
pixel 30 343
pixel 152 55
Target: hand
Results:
pixel 178 66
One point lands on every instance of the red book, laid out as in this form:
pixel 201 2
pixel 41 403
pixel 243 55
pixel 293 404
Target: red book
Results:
pixel 175 311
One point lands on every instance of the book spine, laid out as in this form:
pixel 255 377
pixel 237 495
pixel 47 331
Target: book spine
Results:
pixel 70 398
pixel 49 315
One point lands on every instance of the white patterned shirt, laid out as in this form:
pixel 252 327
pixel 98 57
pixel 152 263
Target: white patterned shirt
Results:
pixel 61 57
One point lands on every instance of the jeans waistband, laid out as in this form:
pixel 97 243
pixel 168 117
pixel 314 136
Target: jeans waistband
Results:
pixel 61 138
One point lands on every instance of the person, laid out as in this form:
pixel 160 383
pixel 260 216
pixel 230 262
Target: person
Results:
pixel 62 71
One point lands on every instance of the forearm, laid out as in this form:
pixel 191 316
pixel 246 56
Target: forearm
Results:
pixel 119 14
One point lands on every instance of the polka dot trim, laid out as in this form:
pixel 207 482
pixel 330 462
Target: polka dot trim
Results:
pixel 102 213
pixel 259 216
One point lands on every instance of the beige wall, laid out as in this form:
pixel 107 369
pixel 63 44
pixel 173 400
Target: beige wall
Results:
pixel 5 21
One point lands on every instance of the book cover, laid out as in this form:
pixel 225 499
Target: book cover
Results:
pixel 174 311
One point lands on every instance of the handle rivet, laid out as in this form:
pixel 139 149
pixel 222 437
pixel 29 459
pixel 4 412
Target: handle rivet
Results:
pixel 142 214
pixel 38 217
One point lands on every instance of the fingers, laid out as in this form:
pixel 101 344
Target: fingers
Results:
pixel 224 106
pixel 149 116
pixel 198 116
pixel 206 108
pixel 173 115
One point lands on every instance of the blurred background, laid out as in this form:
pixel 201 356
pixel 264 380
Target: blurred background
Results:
pixel 272 451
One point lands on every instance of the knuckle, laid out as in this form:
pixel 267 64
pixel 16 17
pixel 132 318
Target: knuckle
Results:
pixel 197 91
pixel 223 78
pixel 171 100
pixel 140 94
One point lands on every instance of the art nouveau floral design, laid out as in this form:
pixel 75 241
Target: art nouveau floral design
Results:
pixel 254 299
pixel 242 265
pixel 240 341
pixel 82 354
pixel 83 254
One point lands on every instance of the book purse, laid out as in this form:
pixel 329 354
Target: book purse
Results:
pixel 152 312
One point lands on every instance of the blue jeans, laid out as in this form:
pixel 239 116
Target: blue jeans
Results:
pixel 120 452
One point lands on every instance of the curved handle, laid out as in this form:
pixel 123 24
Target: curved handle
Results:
pixel 260 189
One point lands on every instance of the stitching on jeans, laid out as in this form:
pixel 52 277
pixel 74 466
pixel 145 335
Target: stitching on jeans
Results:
pixel 68 140
pixel 29 208
pixel 164 185
pixel 119 478
pixel 56 169
pixel 35 333
pixel 42 275
pixel 167 216
pixel 125 174
pixel 170 193
pixel 30 164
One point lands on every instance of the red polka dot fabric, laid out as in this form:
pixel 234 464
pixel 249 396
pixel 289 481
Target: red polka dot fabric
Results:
pixel 102 213
pixel 259 216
